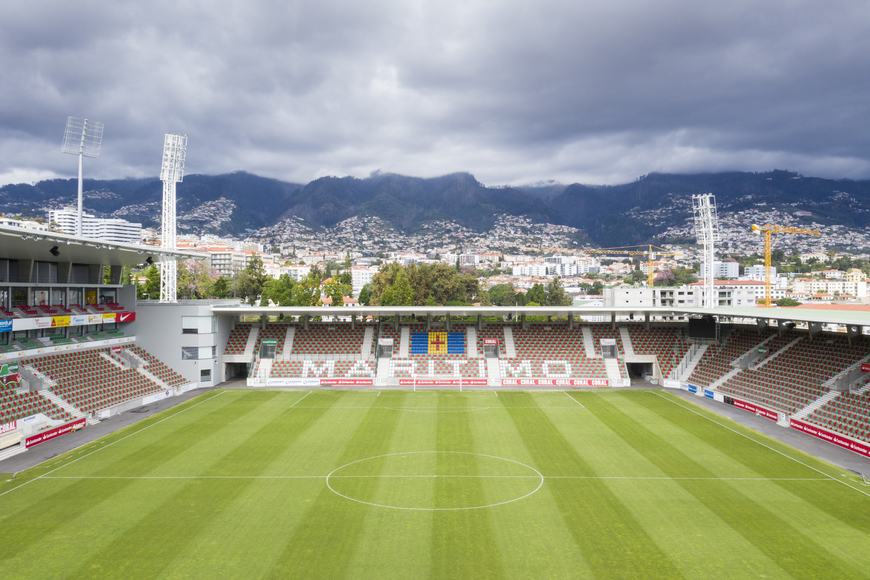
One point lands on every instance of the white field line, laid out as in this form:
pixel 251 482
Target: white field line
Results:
pixel 405 476
pixel 573 399
pixel 831 477
pixel 118 441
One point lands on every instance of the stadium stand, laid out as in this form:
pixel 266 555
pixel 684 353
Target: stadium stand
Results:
pixel 717 360
pixel 323 339
pixel 324 369
pixel 15 406
pixel 89 382
pixel 668 345
pixel 791 378
pixel 157 368
pixel 238 339
pixel 848 414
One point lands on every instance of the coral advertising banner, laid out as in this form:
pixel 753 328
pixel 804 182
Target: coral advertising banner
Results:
pixel 556 382
pixel 851 445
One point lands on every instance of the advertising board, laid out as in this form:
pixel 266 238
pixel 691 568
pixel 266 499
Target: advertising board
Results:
pixel 52 433
pixel 753 408
pixel 824 434
pixel 555 382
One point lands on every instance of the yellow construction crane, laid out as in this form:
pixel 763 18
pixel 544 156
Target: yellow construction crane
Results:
pixel 650 251
pixel 769 229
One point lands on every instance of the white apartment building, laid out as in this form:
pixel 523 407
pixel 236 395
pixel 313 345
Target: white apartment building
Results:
pixel 108 230
pixel 729 293
pixel 533 269
pixel 812 286
pixel 360 276
pixel 722 270
pixel 27 224
pixel 758 273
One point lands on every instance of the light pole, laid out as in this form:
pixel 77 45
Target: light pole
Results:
pixel 83 138
pixel 171 172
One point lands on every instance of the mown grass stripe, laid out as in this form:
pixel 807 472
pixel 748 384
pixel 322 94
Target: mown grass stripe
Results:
pixel 40 518
pixel 612 541
pixel 770 534
pixel 338 542
pixel 466 542
pixel 148 548
pixel 841 502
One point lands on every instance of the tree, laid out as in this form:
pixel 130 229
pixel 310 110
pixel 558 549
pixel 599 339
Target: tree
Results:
pixel 556 295
pixel 637 277
pixel 252 279
pixel 221 288
pixel 194 279
pixel 503 295
pixel 787 302
pixel 399 292
pixel 307 291
pixel 536 295
pixel 150 290
pixel 337 291
pixel 365 295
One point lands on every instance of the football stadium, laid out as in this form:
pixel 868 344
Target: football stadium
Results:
pixel 141 439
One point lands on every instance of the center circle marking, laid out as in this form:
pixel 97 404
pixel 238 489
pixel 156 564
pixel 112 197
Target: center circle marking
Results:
pixel 537 474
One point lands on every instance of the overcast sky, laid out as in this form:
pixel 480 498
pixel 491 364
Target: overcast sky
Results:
pixel 513 92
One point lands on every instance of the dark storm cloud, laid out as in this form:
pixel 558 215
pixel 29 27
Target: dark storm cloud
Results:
pixel 511 91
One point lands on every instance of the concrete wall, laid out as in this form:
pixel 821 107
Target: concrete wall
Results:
pixel 158 330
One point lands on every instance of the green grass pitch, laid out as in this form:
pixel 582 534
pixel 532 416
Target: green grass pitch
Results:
pixel 357 484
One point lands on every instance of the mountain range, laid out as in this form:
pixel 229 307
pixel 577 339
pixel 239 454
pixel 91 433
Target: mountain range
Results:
pixel 236 203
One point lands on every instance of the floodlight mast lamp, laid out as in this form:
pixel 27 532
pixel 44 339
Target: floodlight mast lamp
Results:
pixel 707 232
pixel 171 172
pixel 83 138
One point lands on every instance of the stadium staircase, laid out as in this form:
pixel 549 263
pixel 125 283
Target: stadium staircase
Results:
pixel 368 343
pixel 588 342
pixel 62 404
pixel 723 379
pixel 510 350
pixel 823 400
pixel 252 342
pixel 405 342
pixel 832 382
pixel 471 341
pixel 690 361
pixel 492 369
pixel 264 369
pixel 383 368
pixel 776 354
pixel 614 374
pixel 288 342
pixel 626 341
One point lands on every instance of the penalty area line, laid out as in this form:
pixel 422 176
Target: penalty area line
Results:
pixel 575 400
pixel 831 477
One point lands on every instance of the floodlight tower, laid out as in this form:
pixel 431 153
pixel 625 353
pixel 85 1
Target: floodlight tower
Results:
pixel 171 172
pixel 707 232
pixel 83 138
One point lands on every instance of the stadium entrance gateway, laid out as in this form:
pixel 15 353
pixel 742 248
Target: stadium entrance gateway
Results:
pixel 490 347
pixel 385 347
pixel 268 347
pixel 608 348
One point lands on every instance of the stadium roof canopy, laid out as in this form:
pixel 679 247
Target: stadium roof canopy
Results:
pixel 26 244
pixel 796 315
